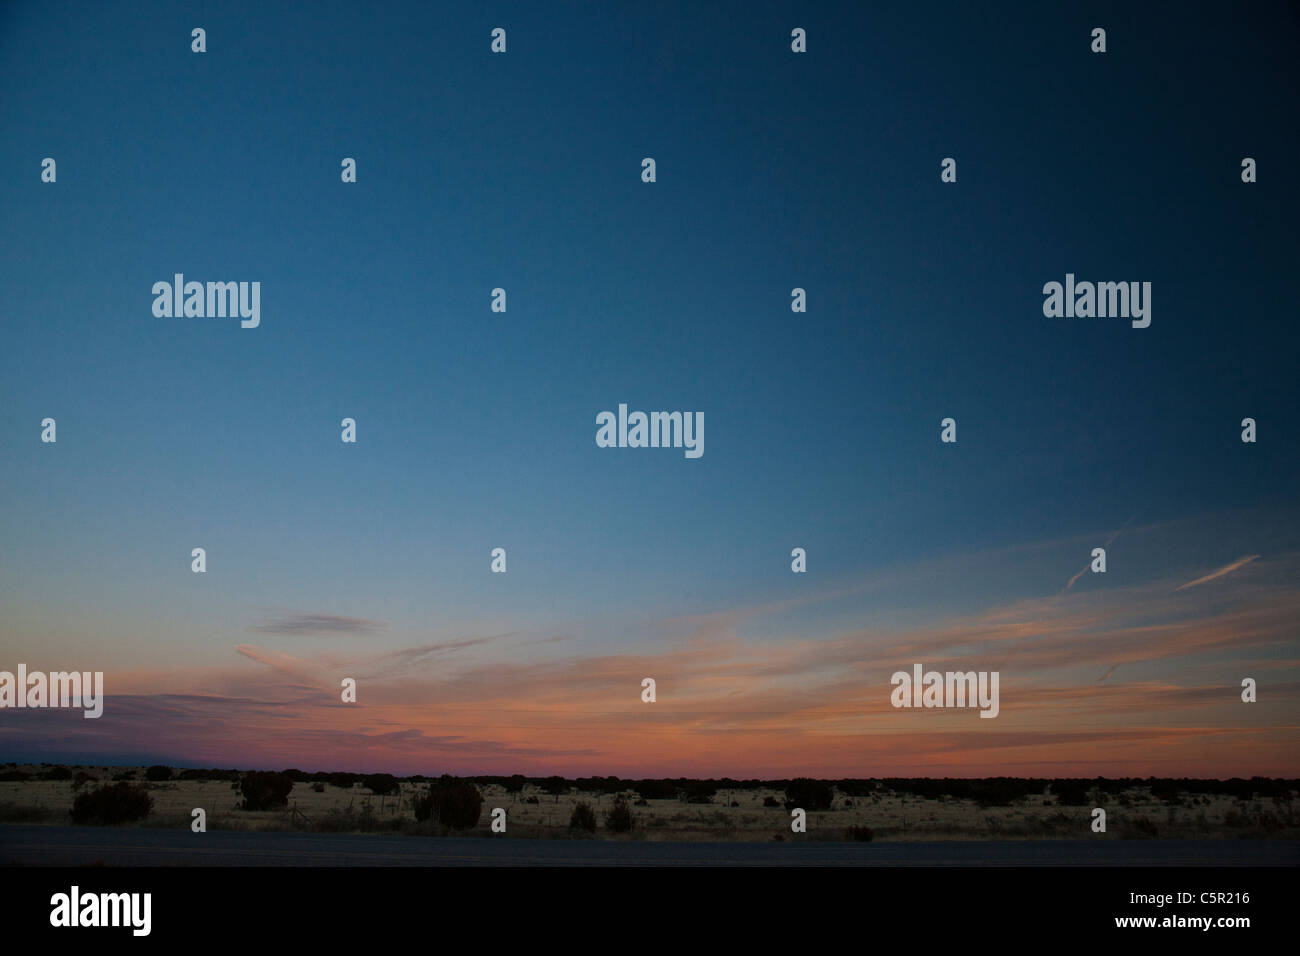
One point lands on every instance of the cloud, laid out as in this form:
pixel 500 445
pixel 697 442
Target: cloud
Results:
pixel 1226 569
pixel 752 691
pixel 308 623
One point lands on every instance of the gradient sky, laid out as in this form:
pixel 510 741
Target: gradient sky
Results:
pixel 477 429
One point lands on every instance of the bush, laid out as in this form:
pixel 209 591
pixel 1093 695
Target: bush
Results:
pixel 158 772
pixel 124 775
pixel 112 803
pixel 265 789
pixel 57 773
pixel 584 818
pixel 10 775
pixel 81 779
pixel 770 801
pixel 318 787
pixel 861 834
pixel 808 794
pixel 381 784
pixel 619 820
pixel 455 802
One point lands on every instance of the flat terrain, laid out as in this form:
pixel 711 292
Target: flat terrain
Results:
pixel 135 846
pixel 738 815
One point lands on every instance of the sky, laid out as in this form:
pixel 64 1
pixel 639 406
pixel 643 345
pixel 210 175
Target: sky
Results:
pixel 476 429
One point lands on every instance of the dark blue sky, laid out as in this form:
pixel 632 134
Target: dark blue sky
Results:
pixel 476 429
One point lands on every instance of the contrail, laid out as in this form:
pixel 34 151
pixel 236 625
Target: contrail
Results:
pixel 1226 569
pixel 1070 583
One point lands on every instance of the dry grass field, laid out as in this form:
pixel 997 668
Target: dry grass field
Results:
pixel 739 814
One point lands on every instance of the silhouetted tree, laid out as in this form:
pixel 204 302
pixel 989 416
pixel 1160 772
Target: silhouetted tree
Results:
pixel 455 802
pixel 808 794
pixel 381 784
pixel 555 786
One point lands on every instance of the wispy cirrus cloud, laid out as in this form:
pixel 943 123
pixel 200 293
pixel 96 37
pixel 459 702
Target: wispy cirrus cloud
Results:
pixel 297 622
pixel 752 691
pixel 1226 569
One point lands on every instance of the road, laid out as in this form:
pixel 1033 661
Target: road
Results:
pixel 134 846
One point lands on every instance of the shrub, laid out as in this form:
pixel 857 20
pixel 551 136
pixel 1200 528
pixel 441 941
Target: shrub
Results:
pixel 318 787
pixel 861 834
pixel 9 775
pixel 124 775
pixel 381 784
pixel 82 778
pixel 619 819
pixel 112 803
pixel 57 773
pixel 455 802
pixel 770 801
pixel 808 794
pixel 158 772
pixel 265 789
pixel 584 818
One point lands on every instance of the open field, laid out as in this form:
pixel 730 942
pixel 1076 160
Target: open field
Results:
pixel 737 814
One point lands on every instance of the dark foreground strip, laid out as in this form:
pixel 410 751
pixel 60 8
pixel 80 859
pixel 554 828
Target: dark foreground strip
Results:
pixel 697 907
